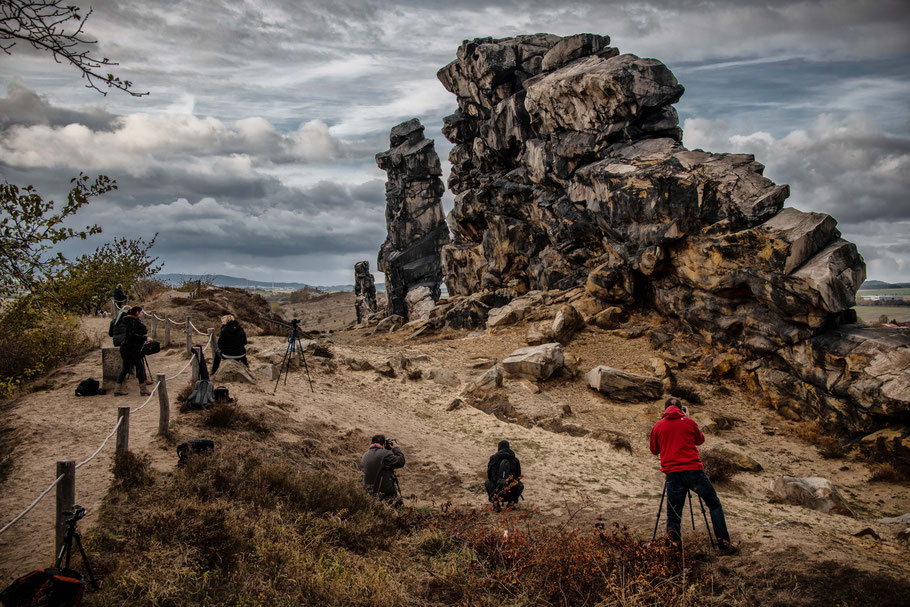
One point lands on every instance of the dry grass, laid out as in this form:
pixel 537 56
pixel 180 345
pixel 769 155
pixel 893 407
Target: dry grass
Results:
pixel 887 473
pixel 829 447
pixel 719 467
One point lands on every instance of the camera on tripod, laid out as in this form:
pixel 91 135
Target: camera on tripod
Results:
pixel 76 514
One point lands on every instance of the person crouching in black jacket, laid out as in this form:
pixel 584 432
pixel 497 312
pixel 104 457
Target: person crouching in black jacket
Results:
pixel 378 465
pixel 503 482
pixel 231 343
pixel 131 351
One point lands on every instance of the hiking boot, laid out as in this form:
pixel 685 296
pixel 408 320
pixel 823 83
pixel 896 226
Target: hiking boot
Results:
pixel 118 390
pixel 149 382
pixel 726 549
pixel 143 390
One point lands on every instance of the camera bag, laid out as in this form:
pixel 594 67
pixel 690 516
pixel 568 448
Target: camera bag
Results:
pixel 89 387
pixel 221 394
pixel 150 347
pixel 190 447
pixel 46 587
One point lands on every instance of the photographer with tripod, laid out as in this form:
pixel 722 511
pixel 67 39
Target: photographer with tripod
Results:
pixel 674 439
pixel 379 464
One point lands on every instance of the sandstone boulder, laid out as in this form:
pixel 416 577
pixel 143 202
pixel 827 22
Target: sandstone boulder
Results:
pixel 490 380
pixel 508 314
pixel 622 385
pixel 233 371
pixel 566 323
pixel 740 461
pixel 608 318
pixel 539 333
pixel 389 324
pixel 812 492
pixel 534 362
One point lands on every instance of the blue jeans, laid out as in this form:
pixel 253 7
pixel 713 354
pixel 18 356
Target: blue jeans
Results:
pixel 678 486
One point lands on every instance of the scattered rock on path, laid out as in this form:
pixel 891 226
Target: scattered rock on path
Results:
pixel 233 371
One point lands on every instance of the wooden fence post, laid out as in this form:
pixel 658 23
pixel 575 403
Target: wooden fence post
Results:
pixel 66 497
pixel 212 342
pixel 164 407
pixel 154 324
pixel 167 331
pixel 189 335
pixel 114 311
pixel 123 432
pixel 194 376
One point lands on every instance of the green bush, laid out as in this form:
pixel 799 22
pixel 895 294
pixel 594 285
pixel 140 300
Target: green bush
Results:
pixel 33 341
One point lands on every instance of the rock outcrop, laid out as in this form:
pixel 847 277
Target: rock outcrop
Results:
pixel 812 492
pixel 410 256
pixel 568 171
pixel 364 291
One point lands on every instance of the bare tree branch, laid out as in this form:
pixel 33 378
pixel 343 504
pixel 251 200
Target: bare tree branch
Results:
pixel 44 24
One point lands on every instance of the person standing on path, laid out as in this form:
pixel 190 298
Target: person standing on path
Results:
pixel 131 351
pixel 119 296
pixel 675 438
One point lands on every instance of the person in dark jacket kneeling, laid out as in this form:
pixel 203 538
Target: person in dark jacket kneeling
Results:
pixel 674 439
pixel 131 351
pixel 503 482
pixel 379 464
pixel 231 343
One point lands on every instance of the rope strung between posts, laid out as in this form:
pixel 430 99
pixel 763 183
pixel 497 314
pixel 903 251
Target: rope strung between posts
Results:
pixel 98 450
pixel 151 394
pixel 159 318
pixel 34 503
pixel 179 373
pixel 197 330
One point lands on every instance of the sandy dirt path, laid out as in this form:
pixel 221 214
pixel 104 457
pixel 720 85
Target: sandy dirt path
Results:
pixel 447 450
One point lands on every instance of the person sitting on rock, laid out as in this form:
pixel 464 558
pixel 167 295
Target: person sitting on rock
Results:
pixel 503 483
pixel 674 438
pixel 379 464
pixel 131 356
pixel 231 343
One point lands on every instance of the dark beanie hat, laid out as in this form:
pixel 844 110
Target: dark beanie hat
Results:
pixel 503 444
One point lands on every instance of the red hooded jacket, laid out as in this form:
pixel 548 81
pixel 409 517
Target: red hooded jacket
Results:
pixel 674 438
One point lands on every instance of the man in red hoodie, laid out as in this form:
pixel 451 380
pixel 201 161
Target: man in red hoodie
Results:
pixel 674 438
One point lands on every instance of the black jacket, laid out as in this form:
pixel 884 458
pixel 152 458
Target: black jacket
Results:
pixel 135 336
pixel 232 339
pixel 497 458
pixel 378 465
pixel 119 295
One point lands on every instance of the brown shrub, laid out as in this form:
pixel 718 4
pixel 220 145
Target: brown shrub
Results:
pixel 132 471
pixel 230 415
pixel 829 447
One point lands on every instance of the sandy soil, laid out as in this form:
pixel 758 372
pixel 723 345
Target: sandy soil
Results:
pixel 447 450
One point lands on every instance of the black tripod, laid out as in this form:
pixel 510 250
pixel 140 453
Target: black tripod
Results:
pixel 294 347
pixel 691 515
pixel 67 549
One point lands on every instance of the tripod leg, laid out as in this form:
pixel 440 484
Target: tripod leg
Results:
pixel 659 508
pixel 284 362
pixel 305 366
pixel 88 568
pixel 707 526
pixel 60 554
pixel 691 513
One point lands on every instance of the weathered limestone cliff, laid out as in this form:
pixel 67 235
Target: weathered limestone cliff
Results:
pixel 568 170
pixel 410 256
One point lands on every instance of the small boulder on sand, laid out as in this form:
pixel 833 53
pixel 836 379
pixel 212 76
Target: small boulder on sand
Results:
pixel 534 362
pixel 233 371
pixel 622 385
pixel 812 492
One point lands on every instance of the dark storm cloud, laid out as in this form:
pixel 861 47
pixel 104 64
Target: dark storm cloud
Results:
pixel 24 107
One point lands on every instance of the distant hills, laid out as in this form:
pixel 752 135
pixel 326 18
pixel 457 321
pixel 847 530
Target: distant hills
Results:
pixel 878 284
pixel 222 280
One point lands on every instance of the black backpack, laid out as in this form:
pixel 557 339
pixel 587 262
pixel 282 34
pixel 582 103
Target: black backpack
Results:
pixel 508 471
pixel 117 329
pixel 89 387
pixel 50 587
pixel 197 445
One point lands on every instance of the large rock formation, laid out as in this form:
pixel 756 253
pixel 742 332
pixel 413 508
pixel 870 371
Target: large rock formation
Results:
pixel 410 256
pixel 364 291
pixel 568 170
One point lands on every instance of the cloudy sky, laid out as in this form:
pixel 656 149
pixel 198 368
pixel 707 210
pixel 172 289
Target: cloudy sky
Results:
pixel 252 155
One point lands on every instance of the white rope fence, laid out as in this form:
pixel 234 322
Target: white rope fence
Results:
pixel 98 450
pixel 117 427
pixel 33 504
pixel 197 330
